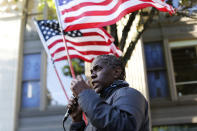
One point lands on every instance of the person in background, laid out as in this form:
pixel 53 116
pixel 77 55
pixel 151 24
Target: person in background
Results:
pixel 109 104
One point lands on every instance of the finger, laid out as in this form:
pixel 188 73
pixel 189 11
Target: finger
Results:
pixel 73 82
pixel 71 101
pixel 72 105
pixel 79 77
pixel 88 82
pixel 74 101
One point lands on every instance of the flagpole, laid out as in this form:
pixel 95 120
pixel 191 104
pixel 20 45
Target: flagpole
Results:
pixel 64 40
pixel 54 66
pixel 60 81
pixel 68 57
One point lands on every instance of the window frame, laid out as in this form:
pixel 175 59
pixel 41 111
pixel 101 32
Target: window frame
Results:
pixel 29 47
pixel 43 110
pixel 35 47
pixel 176 110
pixel 173 96
pixel 181 44
pixel 156 69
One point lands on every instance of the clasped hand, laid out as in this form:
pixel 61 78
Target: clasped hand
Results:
pixel 78 85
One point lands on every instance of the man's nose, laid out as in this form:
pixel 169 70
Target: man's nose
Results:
pixel 93 75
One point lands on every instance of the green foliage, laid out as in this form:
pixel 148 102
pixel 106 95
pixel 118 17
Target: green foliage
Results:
pixel 78 66
pixel 184 2
pixel 51 8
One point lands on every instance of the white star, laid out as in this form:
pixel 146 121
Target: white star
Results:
pixel 73 35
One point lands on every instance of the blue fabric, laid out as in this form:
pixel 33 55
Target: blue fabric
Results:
pixel 119 109
pixel 114 86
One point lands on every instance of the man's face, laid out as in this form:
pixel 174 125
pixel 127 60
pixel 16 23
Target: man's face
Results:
pixel 101 74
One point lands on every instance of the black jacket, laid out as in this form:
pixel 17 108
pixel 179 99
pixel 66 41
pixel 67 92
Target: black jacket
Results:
pixel 119 108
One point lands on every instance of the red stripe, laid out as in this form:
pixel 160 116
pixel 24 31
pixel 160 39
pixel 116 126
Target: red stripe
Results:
pixel 81 52
pixel 105 13
pixel 110 37
pixel 76 56
pixel 93 34
pixel 73 56
pixel 84 4
pixel 101 24
pixel 81 43
pixel 86 43
pixel 54 43
pixel 95 13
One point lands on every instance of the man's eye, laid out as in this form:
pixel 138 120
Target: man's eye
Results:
pixel 97 68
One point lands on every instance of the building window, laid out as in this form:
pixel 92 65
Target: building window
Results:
pixel 156 70
pixel 184 57
pixel 31 81
pixel 185 127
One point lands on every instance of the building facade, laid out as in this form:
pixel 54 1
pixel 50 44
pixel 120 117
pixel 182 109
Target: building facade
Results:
pixel 162 67
pixel 170 57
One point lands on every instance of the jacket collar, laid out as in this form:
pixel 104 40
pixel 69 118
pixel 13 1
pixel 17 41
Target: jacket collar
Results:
pixel 114 86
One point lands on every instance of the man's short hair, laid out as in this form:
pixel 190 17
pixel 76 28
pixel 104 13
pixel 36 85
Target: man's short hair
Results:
pixel 114 62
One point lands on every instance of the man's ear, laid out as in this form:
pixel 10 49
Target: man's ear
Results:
pixel 117 72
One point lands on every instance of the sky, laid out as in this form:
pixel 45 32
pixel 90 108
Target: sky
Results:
pixel 53 84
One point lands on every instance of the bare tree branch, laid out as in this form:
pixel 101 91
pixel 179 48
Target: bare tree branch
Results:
pixel 126 30
pixel 133 43
pixel 186 13
pixel 184 8
pixel 113 31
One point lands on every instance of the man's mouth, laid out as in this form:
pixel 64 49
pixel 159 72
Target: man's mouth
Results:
pixel 95 84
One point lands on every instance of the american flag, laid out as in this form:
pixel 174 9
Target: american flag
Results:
pixel 81 14
pixel 85 44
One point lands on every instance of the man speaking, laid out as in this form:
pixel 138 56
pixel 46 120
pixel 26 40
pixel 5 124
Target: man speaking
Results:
pixel 110 104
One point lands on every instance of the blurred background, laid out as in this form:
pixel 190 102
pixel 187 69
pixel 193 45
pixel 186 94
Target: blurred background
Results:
pixel 163 67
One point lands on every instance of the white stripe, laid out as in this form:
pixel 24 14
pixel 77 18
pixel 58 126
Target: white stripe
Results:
pixel 122 7
pixel 73 52
pixel 77 2
pixel 105 48
pixel 77 39
pixel 53 39
pixel 115 49
pixel 91 19
pixel 92 8
pixel 85 39
pixel 99 31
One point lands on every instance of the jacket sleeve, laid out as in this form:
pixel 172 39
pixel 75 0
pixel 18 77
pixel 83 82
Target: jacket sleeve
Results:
pixel 78 126
pixel 126 113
